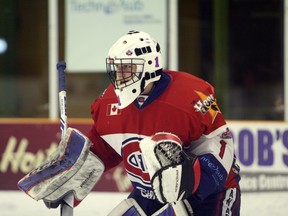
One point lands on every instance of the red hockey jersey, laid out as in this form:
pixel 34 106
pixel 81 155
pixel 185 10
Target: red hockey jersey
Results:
pixel 179 103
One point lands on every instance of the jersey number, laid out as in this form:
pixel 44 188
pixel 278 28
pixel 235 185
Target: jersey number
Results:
pixel 222 148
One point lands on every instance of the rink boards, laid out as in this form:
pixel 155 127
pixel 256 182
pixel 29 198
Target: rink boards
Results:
pixel 261 149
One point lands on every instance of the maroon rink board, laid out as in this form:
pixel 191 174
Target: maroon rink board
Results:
pixel 261 148
pixel 25 143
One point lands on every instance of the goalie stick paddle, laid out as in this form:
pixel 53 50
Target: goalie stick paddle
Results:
pixel 67 204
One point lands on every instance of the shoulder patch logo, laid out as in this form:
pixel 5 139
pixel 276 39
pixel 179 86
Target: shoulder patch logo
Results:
pixel 207 104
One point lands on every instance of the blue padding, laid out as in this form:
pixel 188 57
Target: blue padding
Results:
pixel 168 212
pixel 213 176
pixel 73 150
pixel 131 212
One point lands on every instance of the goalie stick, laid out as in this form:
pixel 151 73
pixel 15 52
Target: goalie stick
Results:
pixel 61 66
pixel 66 208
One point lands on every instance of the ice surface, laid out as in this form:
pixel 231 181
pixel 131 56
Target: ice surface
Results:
pixel 14 203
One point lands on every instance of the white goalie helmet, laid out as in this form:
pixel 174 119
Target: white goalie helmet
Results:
pixel 133 62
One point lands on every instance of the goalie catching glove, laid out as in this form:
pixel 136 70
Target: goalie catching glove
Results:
pixel 174 173
pixel 71 168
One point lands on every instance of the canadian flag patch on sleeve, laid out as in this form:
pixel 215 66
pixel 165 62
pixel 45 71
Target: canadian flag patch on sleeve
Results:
pixel 113 109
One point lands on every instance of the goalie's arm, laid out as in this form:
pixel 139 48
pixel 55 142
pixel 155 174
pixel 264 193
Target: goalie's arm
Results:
pixel 215 152
pixel 100 147
pixel 174 174
pixel 103 150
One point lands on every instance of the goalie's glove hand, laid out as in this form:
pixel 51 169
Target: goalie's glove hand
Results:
pixel 174 173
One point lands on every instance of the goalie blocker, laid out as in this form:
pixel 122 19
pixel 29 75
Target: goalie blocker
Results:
pixel 71 168
pixel 174 173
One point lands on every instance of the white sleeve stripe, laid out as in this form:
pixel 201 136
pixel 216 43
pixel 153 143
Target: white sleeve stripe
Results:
pixel 212 144
pixel 216 132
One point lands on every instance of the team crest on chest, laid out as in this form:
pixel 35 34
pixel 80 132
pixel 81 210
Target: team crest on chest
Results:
pixel 113 109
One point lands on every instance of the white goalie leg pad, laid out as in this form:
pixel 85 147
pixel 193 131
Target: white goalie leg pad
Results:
pixel 128 207
pixel 180 209
pixel 72 167
pixel 166 210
